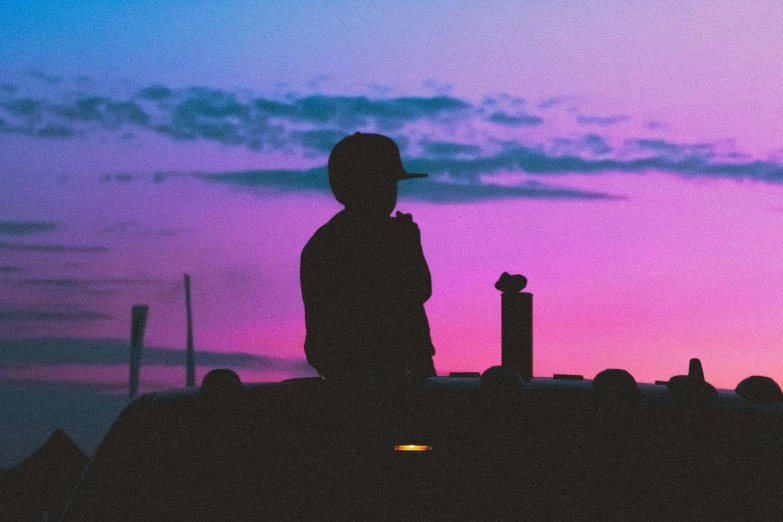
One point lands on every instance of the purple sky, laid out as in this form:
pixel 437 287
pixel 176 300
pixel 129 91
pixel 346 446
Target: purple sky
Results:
pixel 627 159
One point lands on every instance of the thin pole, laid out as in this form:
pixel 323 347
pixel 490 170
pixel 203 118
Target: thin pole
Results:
pixel 190 377
pixel 138 323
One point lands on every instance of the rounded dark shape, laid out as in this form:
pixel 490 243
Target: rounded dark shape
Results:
pixel 691 391
pixel 220 381
pixel 511 283
pixel 759 390
pixel 614 383
pixel 501 378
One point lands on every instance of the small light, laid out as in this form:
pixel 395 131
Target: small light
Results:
pixel 412 447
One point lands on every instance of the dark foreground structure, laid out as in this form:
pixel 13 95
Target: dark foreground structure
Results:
pixel 39 487
pixel 546 449
pixel 463 447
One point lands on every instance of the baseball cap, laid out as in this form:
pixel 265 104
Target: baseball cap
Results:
pixel 361 153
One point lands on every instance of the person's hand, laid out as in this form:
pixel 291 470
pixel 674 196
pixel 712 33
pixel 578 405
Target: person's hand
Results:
pixel 404 218
pixel 408 227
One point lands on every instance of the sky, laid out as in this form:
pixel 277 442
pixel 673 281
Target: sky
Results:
pixel 627 159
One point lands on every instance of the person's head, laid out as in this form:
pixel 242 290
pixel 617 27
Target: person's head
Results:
pixel 363 173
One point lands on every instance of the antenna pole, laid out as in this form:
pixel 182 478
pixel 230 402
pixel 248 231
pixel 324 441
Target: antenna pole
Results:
pixel 190 377
pixel 138 323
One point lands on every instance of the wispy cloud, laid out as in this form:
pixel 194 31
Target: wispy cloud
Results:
pixel 601 121
pixel 19 228
pixel 48 78
pixel 58 351
pixel 313 122
pixel 50 316
pixel 461 178
pixel 434 190
pixel 458 142
pixel 523 120
pixel 85 283
pixel 54 249
pixel 138 229
pixel 448 148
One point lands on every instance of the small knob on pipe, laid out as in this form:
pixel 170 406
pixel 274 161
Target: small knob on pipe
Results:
pixel 511 283
pixel 695 371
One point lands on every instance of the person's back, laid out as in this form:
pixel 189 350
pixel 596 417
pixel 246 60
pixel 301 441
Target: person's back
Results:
pixel 363 274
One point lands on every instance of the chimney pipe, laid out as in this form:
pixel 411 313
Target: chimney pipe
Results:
pixel 516 323
pixel 190 375
pixel 138 323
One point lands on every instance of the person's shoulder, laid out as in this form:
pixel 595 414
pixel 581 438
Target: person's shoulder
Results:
pixel 325 236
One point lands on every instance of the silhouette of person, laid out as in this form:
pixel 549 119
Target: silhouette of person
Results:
pixel 363 274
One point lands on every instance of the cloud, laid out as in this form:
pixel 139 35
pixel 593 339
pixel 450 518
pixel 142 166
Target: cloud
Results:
pixel 281 180
pixel 596 144
pixel 44 77
pixel 312 122
pixel 461 140
pixel 463 175
pixel 686 160
pixel 434 190
pixel 447 192
pixel 50 316
pixel 72 287
pixel 59 351
pixel 591 143
pixel 23 106
pixel 18 228
pixel 111 114
pixel 55 131
pixel 674 150
pixel 23 247
pixel 85 283
pixel 448 148
pixel 7 269
pixel 154 93
pixel 320 140
pixel 556 101
pixel 524 120
pixel 602 121
pixel 131 228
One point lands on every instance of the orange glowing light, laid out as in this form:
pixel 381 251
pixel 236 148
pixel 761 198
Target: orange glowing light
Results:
pixel 412 447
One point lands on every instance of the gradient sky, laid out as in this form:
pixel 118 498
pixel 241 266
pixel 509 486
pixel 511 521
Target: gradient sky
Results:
pixel 626 158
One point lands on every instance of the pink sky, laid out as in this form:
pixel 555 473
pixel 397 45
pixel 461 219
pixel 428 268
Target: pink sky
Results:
pixel 679 269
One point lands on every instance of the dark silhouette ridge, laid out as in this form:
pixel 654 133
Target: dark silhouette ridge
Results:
pixel 500 447
pixel 39 486
pixel 364 276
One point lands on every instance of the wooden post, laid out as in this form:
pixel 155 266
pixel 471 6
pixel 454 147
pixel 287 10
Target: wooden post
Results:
pixel 138 323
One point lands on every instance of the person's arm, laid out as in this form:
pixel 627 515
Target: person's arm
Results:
pixel 417 273
pixel 318 320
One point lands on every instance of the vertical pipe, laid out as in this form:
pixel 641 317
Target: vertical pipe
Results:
pixel 516 320
pixel 138 323
pixel 190 377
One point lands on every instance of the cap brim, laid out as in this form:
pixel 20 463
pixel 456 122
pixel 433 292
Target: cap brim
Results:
pixel 411 175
